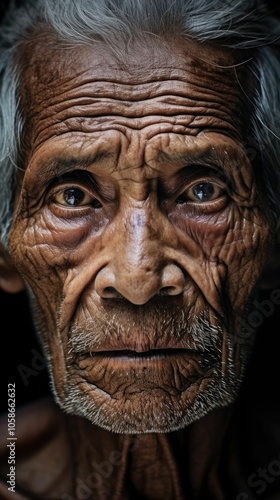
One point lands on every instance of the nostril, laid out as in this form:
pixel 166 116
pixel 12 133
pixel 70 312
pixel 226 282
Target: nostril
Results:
pixel 111 293
pixel 168 290
pixel 172 280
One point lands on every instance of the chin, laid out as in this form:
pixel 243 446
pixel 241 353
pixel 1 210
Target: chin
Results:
pixel 150 390
pixel 155 411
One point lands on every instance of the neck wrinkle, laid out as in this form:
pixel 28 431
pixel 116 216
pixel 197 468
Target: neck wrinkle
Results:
pixel 172 466
pixel 152 469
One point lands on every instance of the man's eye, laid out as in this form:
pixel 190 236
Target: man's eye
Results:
pixel 201 193
pixel 75 197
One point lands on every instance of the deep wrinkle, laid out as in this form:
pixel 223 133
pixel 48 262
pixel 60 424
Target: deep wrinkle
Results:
pixel 217 159
pixel 136 230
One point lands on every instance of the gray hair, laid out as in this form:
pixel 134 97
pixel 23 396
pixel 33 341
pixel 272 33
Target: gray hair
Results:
pixel 243 25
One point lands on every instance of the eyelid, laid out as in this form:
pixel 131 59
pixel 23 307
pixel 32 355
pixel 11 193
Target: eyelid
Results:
pixel 80 177
pixel 206 179
pixel 191 175
pixel 102 188
pixel 58 187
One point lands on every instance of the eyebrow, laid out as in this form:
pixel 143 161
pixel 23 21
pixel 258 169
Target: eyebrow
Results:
pixel 215 155
pixel 55 167
pixel 58 166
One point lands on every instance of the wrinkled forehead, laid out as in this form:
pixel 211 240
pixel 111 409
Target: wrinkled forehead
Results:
pixel 52 69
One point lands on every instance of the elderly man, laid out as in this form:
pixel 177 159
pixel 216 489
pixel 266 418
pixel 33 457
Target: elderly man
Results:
pixel 139 205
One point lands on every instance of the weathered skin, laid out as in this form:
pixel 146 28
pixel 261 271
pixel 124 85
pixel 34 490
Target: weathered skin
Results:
pixel 139 264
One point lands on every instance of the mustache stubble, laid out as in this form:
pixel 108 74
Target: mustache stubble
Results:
pixel 153 321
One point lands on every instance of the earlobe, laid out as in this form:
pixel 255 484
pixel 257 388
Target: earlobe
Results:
pixel 10 279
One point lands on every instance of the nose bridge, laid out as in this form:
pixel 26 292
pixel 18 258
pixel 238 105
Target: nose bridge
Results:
pixel 141 242
pixel 138 267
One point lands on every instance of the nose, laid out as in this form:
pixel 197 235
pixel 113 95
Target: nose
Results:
pixel 139 285
pixel 138 268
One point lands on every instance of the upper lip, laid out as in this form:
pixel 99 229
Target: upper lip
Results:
pixel 137 341
pixel 140 348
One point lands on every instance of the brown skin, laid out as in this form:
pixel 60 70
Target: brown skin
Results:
pixel 138 286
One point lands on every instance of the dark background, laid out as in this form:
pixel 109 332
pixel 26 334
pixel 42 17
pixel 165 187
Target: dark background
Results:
pixel 22 359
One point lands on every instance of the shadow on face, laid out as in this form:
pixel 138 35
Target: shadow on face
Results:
pixel 139 230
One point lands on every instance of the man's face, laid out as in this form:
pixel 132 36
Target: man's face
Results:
pixel 138 229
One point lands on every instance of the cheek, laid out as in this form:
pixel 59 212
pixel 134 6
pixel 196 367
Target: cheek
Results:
pixel 234 241
pixel 50 251
pixel 42 261
pixel 244 252
pixel 35 258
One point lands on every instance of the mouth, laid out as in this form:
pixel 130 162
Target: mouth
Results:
pixel 151 354
pixel 157 370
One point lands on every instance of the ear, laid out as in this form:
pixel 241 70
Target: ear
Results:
pixel 10 279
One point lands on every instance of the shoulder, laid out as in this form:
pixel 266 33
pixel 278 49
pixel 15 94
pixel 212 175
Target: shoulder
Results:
pixel 40 447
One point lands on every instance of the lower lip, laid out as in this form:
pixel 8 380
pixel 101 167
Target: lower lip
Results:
pixel 127 370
